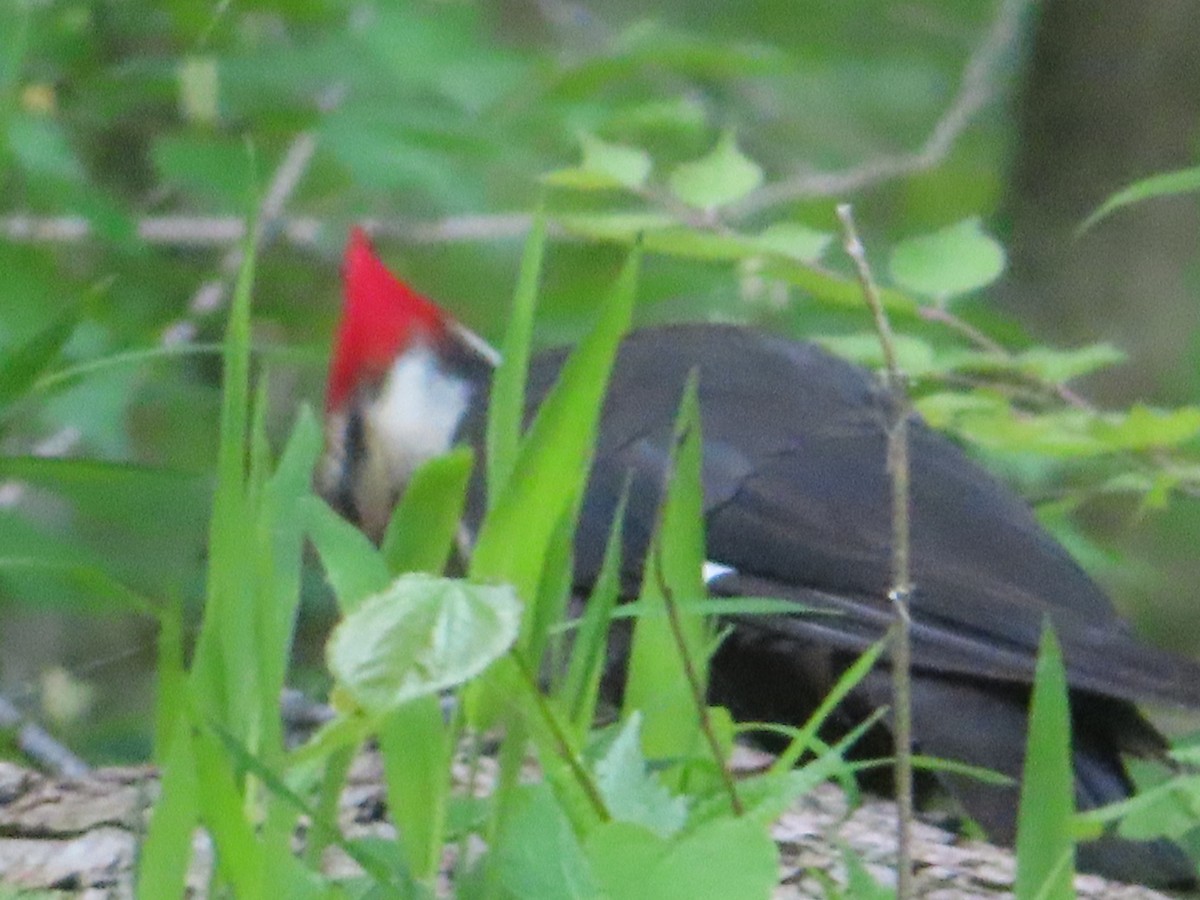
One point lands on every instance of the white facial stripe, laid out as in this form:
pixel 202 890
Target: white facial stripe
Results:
pixel 711 571
pixel 411 420
pixel 418 410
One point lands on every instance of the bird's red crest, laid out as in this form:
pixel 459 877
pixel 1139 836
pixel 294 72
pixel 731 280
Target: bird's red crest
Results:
pixel 381 315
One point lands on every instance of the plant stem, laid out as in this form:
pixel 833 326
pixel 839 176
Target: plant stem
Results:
pixel 901 586
pixel 697 687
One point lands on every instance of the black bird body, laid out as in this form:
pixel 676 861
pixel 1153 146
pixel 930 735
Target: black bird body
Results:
pixel 798 506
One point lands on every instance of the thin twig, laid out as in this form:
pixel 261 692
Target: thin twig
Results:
pixel 36 743
pixel 211 295
pixel 561 741
pixel 976 89
pixel 696 685
pixel 943 316
pixel 901 587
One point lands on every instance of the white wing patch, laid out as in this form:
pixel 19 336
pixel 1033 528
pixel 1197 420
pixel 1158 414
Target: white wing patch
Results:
pixel 711 571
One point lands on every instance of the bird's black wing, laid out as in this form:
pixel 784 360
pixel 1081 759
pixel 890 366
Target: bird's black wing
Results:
pixel 797 502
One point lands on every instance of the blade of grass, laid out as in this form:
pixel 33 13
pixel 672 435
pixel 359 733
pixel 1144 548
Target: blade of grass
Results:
pixel 279 788
pixel 421 533
pixel 239 853
pixel 167 847
pixel 279 536
pixel 668 658
pixel 550 470
pixel 416 750
pixel 546 481
pixel 506 405
pixel 76 372
pixel 171 695
pixel 561 761
pixel 581 688
pixel 803 739
pixel 225 643
pixel 20 367
pixel 324 830
pixel 355 568
pixel 92 579
pixel 280 541
pixel 554 591
pixel 1045 844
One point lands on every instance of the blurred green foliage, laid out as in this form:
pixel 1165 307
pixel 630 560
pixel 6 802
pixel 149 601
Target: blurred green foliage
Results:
pixel 450 113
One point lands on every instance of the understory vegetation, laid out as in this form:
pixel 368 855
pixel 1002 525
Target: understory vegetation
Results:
pixel 159 432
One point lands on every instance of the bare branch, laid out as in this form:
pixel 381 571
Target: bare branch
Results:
pixel 298 231
pixel 975 90
pixel 211 295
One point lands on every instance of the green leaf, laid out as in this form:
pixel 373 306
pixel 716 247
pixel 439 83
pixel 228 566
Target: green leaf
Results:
pixel 1058 366
pixel 691 243
pixel 622 227
pixel 537 853
pixel 40 146
pixel 622 856
pixel 944 409
pixel 631 792
pixel 833 290
pixel 1167 184
pixel 1045 843
pixel 21 367
pixel 627 166
pixel 1063 433
pixel 947 263
pixel 722 177
pixel 355 568
pixel 860 884
pixel 419 636
pixel 915 355
pixel 1049 364
pixel 796 241
pixel 215 170
pixel 92 579
pixel 199 89
pixel 1143 428
pixel 420 535
pixel 604 166
pixel 728 859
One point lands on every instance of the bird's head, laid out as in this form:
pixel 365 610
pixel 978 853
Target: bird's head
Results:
pixel 402 376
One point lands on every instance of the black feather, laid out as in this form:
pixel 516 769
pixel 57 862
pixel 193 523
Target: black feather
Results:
pixel 797 502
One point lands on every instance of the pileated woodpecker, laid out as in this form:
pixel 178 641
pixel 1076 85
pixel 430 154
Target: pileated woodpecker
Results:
pixel 797 502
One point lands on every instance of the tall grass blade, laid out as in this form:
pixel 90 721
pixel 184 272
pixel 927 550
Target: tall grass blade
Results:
pixel 1045 841
pixel 506 406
